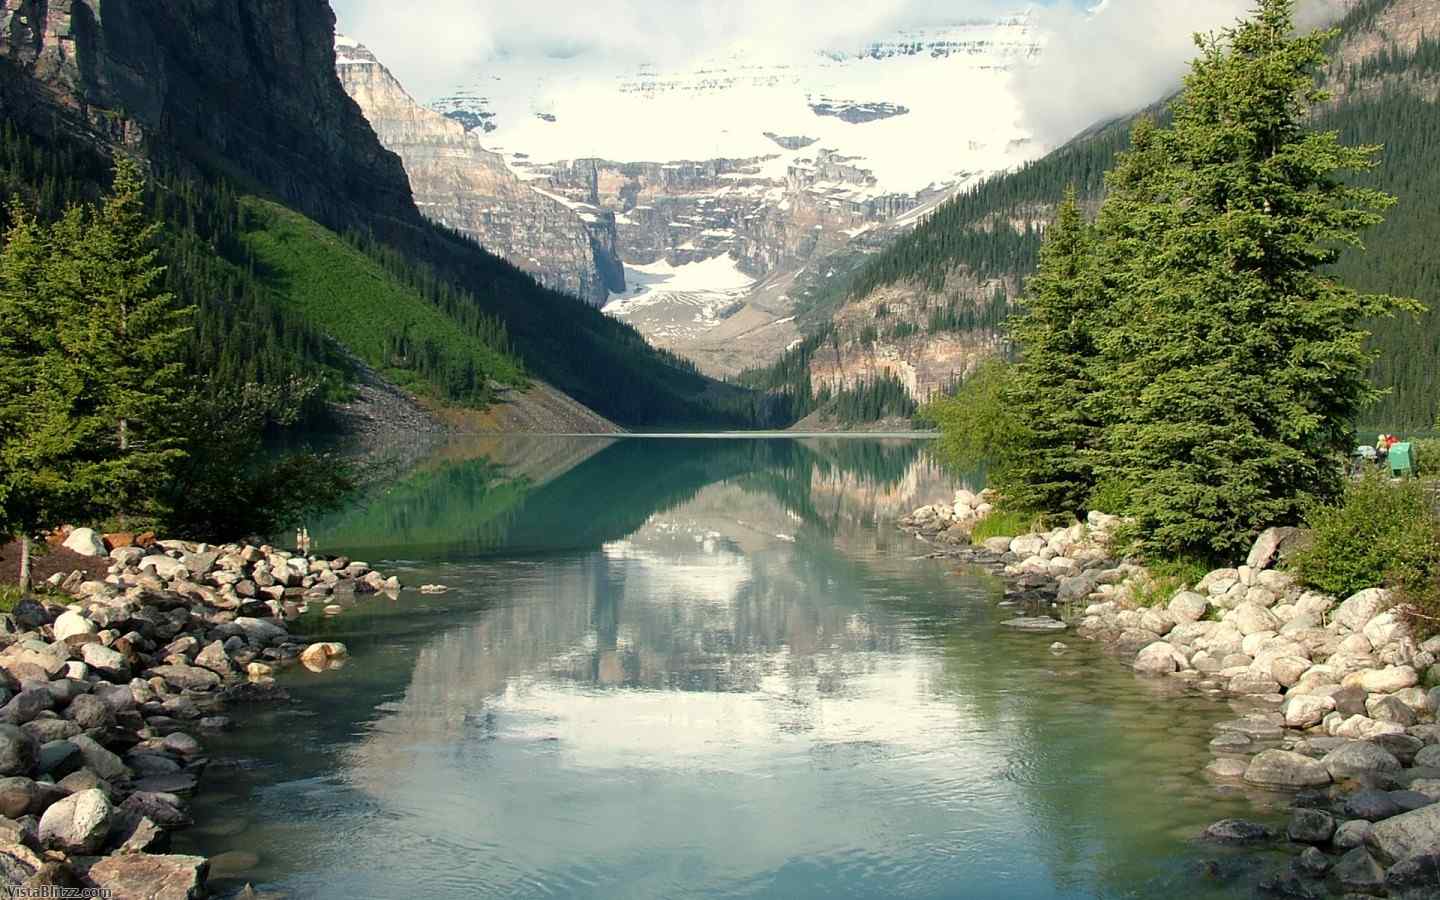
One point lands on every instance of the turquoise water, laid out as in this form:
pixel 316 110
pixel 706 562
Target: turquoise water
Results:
pixel 695 669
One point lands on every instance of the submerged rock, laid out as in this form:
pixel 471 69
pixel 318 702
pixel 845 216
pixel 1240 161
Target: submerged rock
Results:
pixel 1237 831
pixel 1035 623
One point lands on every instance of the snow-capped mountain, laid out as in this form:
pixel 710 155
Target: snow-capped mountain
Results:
pixel 763 154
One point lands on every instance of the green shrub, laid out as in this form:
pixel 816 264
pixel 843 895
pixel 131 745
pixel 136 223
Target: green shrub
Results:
pixel 976 423
pixel 1379 533
pixel 9 596
pixel 1003 523
pixel 1427 457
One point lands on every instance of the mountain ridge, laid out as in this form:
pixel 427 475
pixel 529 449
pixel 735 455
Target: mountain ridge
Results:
pixel 193 86
pixel 961 271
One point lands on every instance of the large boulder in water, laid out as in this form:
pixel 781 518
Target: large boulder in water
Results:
pixel 1286 770
pixel 152 876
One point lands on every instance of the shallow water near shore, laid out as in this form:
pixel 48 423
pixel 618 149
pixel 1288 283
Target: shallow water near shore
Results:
pixel 709 668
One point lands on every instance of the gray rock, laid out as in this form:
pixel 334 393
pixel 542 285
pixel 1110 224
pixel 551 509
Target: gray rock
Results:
pixel 1361 607
pixel 1407 834
pixel 1371 804
pixel 1409 800
pixel 106 660
pixel 149 875
pixel 140 835
pixel 165 809
pixel 58 758
pixel 1313 861
pixel 1188 606
pixel 119 697
pixel 1352 834
pixel 186 677
pixel 1286 770
pixel 27 704
pixel 1429 757
pixel 1358 871
pixel 1251 684
pixel 1252 619
pixel 1359 758
pixel 181 743
pixel 18 796
pixel 1403 747
pixel 1159 658
pixel 170 783
pixel 71 623
pixel 78 823
pixel 1266 549
pixel 86 542
pixel 84 780
pixel 1075 587
pixel 1350 701
pixel 1390 709
pixel 89 711
pixel 1023 623
pixel 147 764
pixel 259 631
pixel 104 763
pixel 17 751
pixel 164 567
pixel 1415 878
pixel 45 730
pixel 214 658
pixel 1237 831
pixel 1310 826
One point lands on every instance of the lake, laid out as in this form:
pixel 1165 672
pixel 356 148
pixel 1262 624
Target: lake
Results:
pixel 673 668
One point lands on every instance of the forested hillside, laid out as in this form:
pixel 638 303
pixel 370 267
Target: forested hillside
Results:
pixel 282 208
pixel 1386 93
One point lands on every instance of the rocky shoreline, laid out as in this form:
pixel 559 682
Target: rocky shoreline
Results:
pixel 105 697
pixel 1328 693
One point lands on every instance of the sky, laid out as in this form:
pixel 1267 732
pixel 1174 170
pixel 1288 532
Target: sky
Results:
pixel 1100 61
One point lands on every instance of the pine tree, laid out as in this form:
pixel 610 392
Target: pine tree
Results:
pixel 1233 365
pixel 1048 466
pixel 38 393
pixel 128 336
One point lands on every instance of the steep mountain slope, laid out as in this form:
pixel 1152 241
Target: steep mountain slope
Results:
pixel 954 277
pixel 460 184
pixel 244 97
pixel 730 175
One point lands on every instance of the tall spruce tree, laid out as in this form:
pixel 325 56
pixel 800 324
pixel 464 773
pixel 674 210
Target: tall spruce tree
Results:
pixel 1232 365
pixel 1049 465
pixel 39 393
pixel 127 336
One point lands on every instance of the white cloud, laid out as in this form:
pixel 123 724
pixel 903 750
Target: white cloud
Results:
pixel 433 44
pixel 1121 56
pixel 1097 64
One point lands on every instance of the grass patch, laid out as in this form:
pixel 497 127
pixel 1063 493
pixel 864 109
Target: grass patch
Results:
pixel 1003 523
pixel 387 323
pixel 9 596
pixel 1168 577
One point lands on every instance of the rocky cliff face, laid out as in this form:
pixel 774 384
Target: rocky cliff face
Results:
pixel 690 211
pixel 244 86
pixel 569 245
pixel 887 334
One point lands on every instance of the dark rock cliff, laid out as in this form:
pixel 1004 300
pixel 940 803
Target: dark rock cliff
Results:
pixel 246 86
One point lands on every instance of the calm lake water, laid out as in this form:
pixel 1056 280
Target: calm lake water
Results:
pixel 696 669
